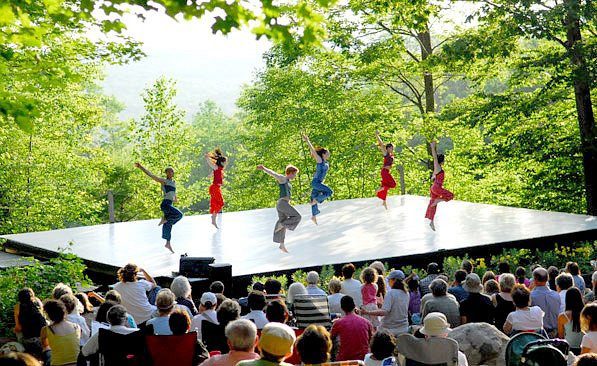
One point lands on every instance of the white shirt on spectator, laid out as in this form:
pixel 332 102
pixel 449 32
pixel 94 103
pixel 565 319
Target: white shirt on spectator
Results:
pixel 209 315
pixel 334 303
pixel 531 319
pixel 352 288
pixel 134 299
pixel 462 361
pixel 562 301
pixel 92 345
pixel 589 340
pixel 74 317
pixel 257 317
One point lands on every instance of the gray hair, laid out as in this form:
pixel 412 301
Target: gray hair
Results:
pixel 335 285
pixel 564 281
pixel 379 267
pixel 181 287
pixel 117 315
pixel 296 288
pixel 507 282
pixel 540 274
pixel 242 334
pixel 438 287
pixel 312 278
pixel 61 289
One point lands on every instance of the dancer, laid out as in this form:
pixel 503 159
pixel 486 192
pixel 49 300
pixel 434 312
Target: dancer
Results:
pixel 171 214
pixel 217 162
pixel 320 191
pixel 438 192
pixel 387 181
pixel 288 216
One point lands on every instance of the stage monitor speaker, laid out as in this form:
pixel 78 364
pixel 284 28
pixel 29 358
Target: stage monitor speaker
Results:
pixel 222 272
pixel 195 267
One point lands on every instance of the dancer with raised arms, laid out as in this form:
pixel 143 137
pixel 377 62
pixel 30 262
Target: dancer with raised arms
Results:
pixel 288 216
pixel 171 214
pixel 320 192
pixel 387 181
pixel 217 162
pixel 438 192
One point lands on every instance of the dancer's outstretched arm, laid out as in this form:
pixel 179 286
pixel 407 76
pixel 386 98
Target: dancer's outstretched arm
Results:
pixel 279 177
pixel 312 149
pixel 210 162
pixel 380 144
pixel 436 167
pixel 150 174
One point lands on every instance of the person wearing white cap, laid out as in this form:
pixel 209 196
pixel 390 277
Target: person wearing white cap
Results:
pixel 207 312
pixel 395 305
pixel 275 345
pixel 436 325
pixel 477 307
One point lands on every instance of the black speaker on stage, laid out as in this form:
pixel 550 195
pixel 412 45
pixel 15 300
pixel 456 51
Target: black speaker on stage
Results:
pixel 195 267
pixel 222 272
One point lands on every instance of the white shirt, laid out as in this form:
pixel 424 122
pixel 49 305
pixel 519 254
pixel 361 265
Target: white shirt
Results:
pixel 314 290
pixel 589 340
pixel 209 315
pixel 92 345
pixel 134 299
pixel 334 303
pixel 562 300
pixel 258 317
pixel 462 361
pixel 531 319
pixel 74 317
pixel 352 288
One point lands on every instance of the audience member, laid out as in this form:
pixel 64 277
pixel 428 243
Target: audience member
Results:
pixel 115 297
pixel 117 319
pixel 312 284
pixel 217 288
pixel 207 312
pixel 350 286
pixel 395 306
pixel 275 345
pixel 491 287
pixel 294 290
pixel 476 308
pixel 273 289
pixel 276 312
pixel 379 267
pixel 436 325
pixel 467 266
pixel 165 304
pixel 590 296
pixel 382 284
pixel 564 282
pixel 133 292
pixel 414 302
pixel 503 268
pixel 314 345
pixel 29 321
pixel 61 338
pixel 521 277
pixel 18 359
pixel 502 301
pixel 524 318
pixel 569 320
pixel 588 359
pixel 242 338
pixel 70 303
pixel 88 312
pixel 182 290
pixel 180 323
pixel 552 273
pixel 457 290
pixel 335 286
pixel 257 303
pixel 546 299
pixel 574 270
pixel 488 275
pixel 61 289
pixel 588 324
pixel 353 331
pixel 382 346
pixel 214 337
pixel 432 273
pixel 442 302
pixel 102 312
pixel 369 294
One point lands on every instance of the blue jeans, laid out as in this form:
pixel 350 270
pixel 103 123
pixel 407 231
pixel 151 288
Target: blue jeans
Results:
pixel 320 193
pixel 172 215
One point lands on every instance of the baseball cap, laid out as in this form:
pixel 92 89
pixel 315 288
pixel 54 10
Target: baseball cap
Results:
pixel 396 275
pixel 208 297
pixel 277 339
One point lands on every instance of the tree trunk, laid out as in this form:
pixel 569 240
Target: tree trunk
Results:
pixel 584 106
pixel 426 50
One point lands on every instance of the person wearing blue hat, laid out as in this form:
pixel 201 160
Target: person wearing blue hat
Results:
pixel 395 306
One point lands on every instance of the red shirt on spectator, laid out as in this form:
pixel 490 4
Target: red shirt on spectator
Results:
pixel 355 332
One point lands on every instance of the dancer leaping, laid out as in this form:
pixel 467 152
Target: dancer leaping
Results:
pixel 288 216
pixel 171 214
pixel 320 191
pixel 438 192
pixel 387 181
pixel 217 162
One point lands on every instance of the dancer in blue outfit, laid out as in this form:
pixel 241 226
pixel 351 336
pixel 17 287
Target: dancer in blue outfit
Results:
pixel 171 214
pixel 320 191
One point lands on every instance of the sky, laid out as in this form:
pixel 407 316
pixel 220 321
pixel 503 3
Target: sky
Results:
pixel 205 66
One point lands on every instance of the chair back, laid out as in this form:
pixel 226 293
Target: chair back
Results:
pixel 121 349
pixel 430 351
pixel 551 352
pixel 312 309
pixel 516 345
pixel 214 336
pixel 166 350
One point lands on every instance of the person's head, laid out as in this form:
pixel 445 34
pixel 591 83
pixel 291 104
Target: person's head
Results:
pixel 217 287
pixel 503 267
pixel 128 273
pixel 114 296
pixel 291 171
pixel 540 276
pixel 379 267
pixel 312 278
pixel 382 345
pixel 507 282
pixel 181 287
pixel 588 317
pixel 335 286
pixel 587 359
pixel 314 345
pixel 117 315
pixel 276 341
pixel 348 270
pixel 179 322
pixel 572 268
pixel 26 296
pixel 323 153
pixel 521 296
pixel 241 335
pixel 491 287
pixel 369 275
pixel 552 273
pixel 467 266
pixel 102 312
pixel 440 159
pixel 164 301
pixel 296 288
pixel 432 268
pixel 272 286
pixel 18 359
pixel 381 286
pixel 228 311
pixel 70 302
pixel 564 281
pixel 256 301
pixel 347 304
pixel 472 283
pixel 61 289
pixel 413 283
pixel 276 311
pixel 389 148
pixel 460 276
pixel 521 274
pixel 55 311
pixel 574 304
pixel 435 325
pixel 218 158
pixel 84 300
pixel 169 171
pixel 396 280
pixel 208 301
pixel 438 287
pixel 258 286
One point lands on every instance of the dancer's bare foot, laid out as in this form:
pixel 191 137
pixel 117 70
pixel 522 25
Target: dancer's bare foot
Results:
pixel 169 247
pixel 314 219
pixel 432 225
pixel 213 222
pixel 162 221
pixel 385 204
pixel 279 227
pixel 283 248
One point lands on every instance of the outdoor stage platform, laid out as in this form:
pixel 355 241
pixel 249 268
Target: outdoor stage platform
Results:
pixel 356 230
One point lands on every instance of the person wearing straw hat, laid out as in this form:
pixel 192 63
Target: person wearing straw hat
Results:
pixel 436 325
pixel 275 345
pixel 477 307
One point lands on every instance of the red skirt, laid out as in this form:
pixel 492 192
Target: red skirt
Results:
pixel 387 182
pixel 216 202
pixel 436 192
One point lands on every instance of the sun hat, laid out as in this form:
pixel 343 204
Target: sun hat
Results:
pixel 472 283
pixel 435 324
pixel 208 297
pixel 396 275
pixel 277 339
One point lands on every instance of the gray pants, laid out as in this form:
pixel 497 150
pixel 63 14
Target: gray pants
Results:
pixel 288 216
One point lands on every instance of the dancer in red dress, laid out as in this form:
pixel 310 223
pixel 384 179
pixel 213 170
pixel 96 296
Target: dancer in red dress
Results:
pixel 387 181
pixel 437 191
pixel 217 162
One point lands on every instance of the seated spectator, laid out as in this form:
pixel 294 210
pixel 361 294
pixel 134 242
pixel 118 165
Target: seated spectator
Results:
pixel 312 284
pixel 256 302
pixel 524 318
pixel 182 290
pixel 563 282
pixel 70 303
pixel 242 338
pixel 117 319
pixel 432 273
pixel 476 308
pixel 165 304
pixel 382 346
pixel 29 321
pixel 457 290
pixel 61 338
pixel 379 267
pixel 61 289
pixel 88 312
pixel 350 286
pixel 569 321
pixel 275 345
pixel 395 306
pixel 440 301
pixel 102 312
pixel 18 359
pixel 491 287
pixel 207 312
pixel 228 311
pixel 243 301
pixel 467 266
pixel 502 301
pixel 414 303
pixel 353 331
pixel 588 359
pixel 273 289
pixel 113 297
pixel 521 277
pixel 488 275
pixel 503 268
pixel 217 288
pixel 180 323
pixel 590 296
pixel 369 295
pixel 552 273
pixel 335 286
pixel 314 345
pixel 574 270
pixel 134 292
pixel 436 325
pixel 588 324
pixel 276 312
pixel 294 289
pixel 546 299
